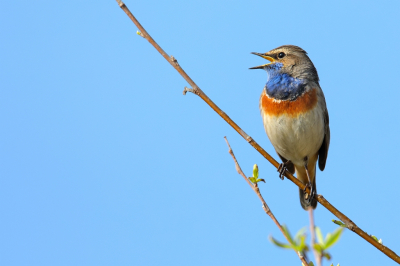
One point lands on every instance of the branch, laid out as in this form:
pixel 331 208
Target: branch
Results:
pixel 318 258
pixel 264 204
pixel 196 90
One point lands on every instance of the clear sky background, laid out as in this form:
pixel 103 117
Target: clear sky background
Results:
pixel 103 161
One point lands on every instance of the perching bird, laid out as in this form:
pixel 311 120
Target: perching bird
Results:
pixel 295 115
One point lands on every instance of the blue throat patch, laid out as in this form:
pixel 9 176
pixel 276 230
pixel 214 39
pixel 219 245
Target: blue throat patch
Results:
pixel 282 86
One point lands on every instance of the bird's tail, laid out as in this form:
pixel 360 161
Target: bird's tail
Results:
pixel 303 201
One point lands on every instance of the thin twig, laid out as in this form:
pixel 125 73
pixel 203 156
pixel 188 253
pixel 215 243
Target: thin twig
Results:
pixel 349 224
pixel 264 204
pixel 317 256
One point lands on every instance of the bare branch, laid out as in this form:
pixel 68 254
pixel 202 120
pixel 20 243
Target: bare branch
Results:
pixel 318 257
pixel 349 223
pixel 264 204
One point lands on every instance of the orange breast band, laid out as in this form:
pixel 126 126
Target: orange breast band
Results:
pixel 302 104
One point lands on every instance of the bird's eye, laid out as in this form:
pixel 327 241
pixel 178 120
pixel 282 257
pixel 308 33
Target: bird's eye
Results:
pixel 281 55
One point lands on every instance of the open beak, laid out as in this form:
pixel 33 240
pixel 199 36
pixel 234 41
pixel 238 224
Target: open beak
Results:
pixel 265 57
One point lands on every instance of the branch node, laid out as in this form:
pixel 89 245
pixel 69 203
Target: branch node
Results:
pixel 249 139
pixel 140 34
pixel 351 226
pixel 120 3
pixel 265 207
pixel 186 89
pixel 195 90
pixel 173 59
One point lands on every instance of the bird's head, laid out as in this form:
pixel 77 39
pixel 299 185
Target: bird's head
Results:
pixel 291 60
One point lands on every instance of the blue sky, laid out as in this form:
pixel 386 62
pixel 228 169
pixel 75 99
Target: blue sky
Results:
pixel 103 161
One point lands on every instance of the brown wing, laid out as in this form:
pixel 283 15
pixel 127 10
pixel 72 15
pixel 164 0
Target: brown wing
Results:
pixel 323 151
pixel 289 165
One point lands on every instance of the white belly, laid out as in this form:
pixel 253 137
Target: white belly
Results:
pixel 294 138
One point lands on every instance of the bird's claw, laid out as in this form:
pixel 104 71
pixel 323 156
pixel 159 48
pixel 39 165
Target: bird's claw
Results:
pixel 309 197
pixel 281 169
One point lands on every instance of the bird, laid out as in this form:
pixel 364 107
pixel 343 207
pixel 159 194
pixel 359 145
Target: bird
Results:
pixel 295 116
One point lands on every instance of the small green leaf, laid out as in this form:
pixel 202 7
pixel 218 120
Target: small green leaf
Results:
pixel 317 247
pixel 255 171
pixel 328 235
pixel 300 240
pixel 319 236
pixel 287 233
pixel 255 180
pixel 302 244
pixel 279 244
pixel 327 256
pixel 300 233
pixel 331 239
pixel 339 223
pixel 310 263
pixel 376 239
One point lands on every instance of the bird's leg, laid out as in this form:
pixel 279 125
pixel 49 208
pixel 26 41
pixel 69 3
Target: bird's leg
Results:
pixel 309 197
pixel 282 168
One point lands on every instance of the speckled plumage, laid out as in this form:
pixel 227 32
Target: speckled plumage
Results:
pixel 294 112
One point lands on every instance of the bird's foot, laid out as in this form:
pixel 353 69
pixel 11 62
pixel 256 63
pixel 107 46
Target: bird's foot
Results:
pixel 309 196
pixel 281 169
